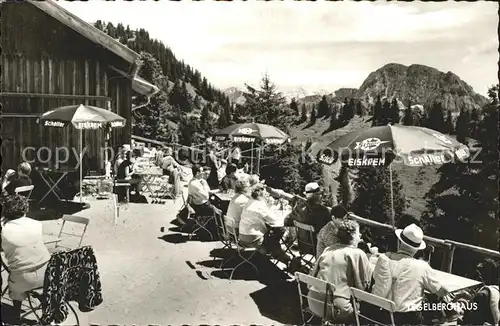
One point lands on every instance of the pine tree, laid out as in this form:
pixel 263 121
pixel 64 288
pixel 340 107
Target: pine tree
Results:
pixel 394 112
pixel 303 114
pixel 474 123
pixel 322 107
pixel 312 120
pixel 294 107
pixel 466 195
pixel 267 104
pixel 333 119
pixel 352 108
pixel 408 116
pixel 359 109
pixel 377 113
pixel 462 126
pixel 373 200
pixel 449 123
pixel 436 117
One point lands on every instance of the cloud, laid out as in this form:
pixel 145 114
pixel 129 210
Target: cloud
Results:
pixel 311 44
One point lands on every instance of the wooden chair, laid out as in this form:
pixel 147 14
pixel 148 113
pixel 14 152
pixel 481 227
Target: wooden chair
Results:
pixel 304 283
pixel 24 191
pixel 73 219
pixel 307 247
pixel 240 250
pixel 376 301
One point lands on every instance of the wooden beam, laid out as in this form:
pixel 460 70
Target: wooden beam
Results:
pixel 16 115
pixel 55 96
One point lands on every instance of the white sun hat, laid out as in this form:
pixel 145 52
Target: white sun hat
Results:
pixel 412 236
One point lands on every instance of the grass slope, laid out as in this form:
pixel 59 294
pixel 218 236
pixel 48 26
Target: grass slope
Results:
pixel 416 181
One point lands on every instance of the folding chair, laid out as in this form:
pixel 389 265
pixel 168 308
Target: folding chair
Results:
pixel 73 219
pixel 24 191
pixel 240 250
pixel 306 282
pixel 362 296
pixel 221 229
pixel 307 247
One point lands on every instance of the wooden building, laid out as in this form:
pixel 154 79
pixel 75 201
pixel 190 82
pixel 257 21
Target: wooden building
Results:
pixel 52 58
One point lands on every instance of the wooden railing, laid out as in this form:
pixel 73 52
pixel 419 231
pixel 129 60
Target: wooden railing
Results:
pixel 448 245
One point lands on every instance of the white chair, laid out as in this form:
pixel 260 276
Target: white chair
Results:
pixel 307 247
pixel 376 301
pixel 24 191
pixel 240 250
pixel 73 219
pixel 306 282
pixel 222 230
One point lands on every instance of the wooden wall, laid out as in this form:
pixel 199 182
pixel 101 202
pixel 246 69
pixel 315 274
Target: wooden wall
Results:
pixel 46 65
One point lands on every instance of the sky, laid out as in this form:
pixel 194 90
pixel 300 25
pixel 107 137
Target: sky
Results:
pixel 316 46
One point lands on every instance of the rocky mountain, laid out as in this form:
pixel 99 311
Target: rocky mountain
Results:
pixel 342 93
pixel 235 95
pixel 421 85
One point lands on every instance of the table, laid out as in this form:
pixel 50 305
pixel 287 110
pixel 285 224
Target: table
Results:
pixel 454 283
pixel 149 175
pixel 450 282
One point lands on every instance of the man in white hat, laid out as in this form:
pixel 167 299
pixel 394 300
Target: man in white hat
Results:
pixel 402 278
pixel 311 212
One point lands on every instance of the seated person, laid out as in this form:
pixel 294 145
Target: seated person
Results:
pixel 402 278
pixel 345 266
pixel 169 164
pixel 118 160
pixel 328 235
pixel 253 225
pixel 254 179
pixel 237 203
pixel 487 299
pixel 22 179
pixel 311 213
pixel 199 192
pixel 229 180
pixel 126 173
pixel 25 253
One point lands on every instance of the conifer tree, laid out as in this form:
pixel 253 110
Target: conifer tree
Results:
pixel 462 126
pixel 373 200
pixel 303 114
pixel 394 112
pixel 294 107
pixel 312 120
pixel 322 107
pixel 449 123
pixel 359 109
pixel 377 112
pixel 466 195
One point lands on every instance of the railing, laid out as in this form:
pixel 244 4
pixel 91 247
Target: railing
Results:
pixel 448 245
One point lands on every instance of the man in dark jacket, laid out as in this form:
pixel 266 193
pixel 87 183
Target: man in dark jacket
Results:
pixel 22 179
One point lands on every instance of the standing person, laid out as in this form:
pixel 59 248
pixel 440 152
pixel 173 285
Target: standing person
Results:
pixel 402 278
pixel 214 165
pixel 25 253
pixel 345 266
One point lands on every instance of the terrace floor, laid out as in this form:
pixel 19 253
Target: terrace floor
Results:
pixel 154 277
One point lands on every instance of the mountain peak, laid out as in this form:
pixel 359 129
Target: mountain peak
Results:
pixel 420 84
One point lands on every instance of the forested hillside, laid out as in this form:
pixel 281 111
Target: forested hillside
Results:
pixel 187 103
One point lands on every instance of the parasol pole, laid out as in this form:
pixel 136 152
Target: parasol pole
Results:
pixel 392 198
pixel 251 160
pixel 81 168
pixel 258 159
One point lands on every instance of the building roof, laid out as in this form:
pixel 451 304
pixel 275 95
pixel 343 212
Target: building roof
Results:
pixel 139 85
pixel 87 30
